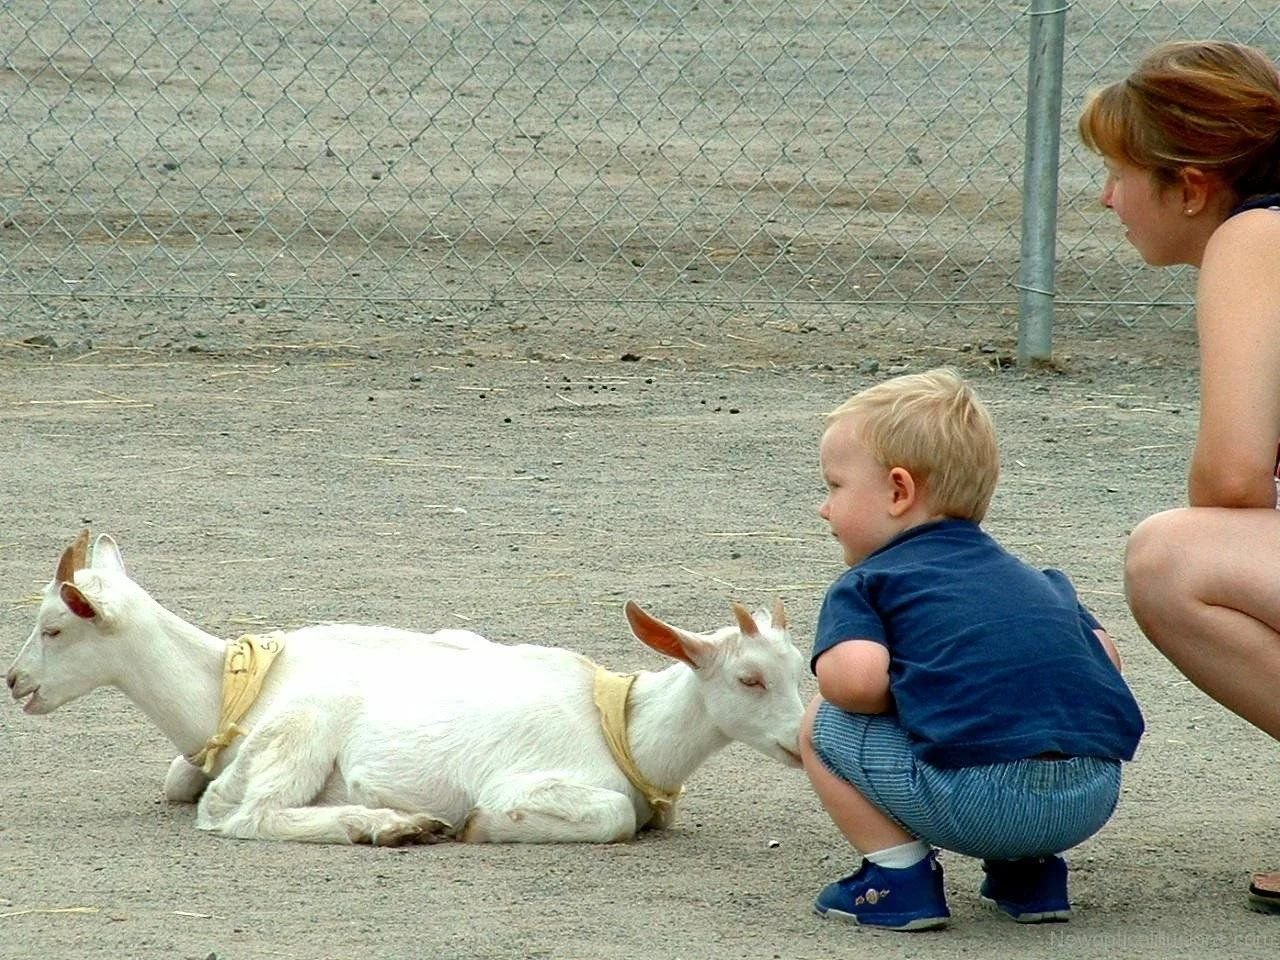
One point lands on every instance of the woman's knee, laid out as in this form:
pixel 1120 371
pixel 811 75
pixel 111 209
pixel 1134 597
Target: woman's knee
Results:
pixel 1160 577
pixel 1154 549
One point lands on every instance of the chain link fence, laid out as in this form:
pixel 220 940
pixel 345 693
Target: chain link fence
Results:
pixel 806 162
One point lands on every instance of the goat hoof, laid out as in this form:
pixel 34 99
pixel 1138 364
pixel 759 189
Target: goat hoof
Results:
pixel 185 782
pixel 419 828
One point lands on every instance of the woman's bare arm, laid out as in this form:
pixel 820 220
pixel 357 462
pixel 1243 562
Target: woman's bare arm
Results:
pixel 1238 321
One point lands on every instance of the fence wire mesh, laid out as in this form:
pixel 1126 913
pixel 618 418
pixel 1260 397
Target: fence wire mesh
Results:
pixel 806 162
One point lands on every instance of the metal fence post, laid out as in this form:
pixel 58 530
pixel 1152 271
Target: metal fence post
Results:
pixel 1040 180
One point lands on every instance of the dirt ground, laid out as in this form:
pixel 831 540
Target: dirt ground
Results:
pixel 433 478
pixel 521 472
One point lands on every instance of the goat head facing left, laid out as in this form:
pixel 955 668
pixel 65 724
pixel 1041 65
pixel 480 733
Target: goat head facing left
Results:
pixel 64 657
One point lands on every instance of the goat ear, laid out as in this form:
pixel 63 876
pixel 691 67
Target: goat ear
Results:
pixel 666 639
pixel 72 558
pixel 779 618
pixel 107 554
pixel 76 601
pixel 746 622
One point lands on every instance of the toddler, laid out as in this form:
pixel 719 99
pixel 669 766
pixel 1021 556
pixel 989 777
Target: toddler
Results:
pixel 967 701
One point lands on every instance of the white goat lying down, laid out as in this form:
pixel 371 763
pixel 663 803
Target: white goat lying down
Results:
pixel 367 734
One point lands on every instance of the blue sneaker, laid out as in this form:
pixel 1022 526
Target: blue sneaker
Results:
pixel 1031 891
pixel 909 899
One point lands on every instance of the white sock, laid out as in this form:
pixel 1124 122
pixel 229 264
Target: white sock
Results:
pixel 900 857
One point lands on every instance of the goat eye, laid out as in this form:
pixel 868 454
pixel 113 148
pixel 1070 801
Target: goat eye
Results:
pixel 51 632
pixel 754 682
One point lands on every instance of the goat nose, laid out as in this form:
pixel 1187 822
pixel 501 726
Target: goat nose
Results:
pixel 11 678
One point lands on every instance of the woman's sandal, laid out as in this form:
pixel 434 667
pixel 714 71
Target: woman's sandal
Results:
pixel 1264 892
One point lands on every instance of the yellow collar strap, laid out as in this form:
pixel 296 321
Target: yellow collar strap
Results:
pixel 611 693
pixel 243 670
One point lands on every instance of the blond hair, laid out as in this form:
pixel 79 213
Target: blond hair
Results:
pixel 934 426
pixel 1193 103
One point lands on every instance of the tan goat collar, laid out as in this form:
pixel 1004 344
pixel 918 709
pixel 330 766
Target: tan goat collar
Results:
pixel 244 668
pixel 612 691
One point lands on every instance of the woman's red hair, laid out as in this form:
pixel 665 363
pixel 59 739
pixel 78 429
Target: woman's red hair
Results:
pixel 1209 104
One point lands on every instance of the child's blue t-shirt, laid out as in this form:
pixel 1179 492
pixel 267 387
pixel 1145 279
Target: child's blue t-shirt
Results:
pixel 990 659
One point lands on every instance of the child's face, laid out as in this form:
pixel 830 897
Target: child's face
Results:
pixel 860 493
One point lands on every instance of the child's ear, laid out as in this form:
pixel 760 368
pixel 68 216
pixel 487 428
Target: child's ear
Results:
pixel 904 491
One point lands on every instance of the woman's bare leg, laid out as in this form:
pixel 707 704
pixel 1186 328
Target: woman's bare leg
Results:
pixel 1204 585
